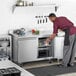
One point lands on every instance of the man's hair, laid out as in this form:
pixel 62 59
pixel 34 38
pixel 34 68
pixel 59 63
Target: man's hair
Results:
pixel 52 15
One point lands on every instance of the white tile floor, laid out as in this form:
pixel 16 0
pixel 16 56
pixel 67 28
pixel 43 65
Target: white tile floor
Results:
pixel 38 64
pixel 42 64
pixel 71 74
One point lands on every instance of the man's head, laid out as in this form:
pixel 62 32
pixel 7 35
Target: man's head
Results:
pixel 52 17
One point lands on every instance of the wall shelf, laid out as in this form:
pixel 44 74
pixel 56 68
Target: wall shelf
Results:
pixel 36 6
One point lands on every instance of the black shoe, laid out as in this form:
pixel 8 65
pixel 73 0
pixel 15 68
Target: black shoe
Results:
pixel 70 65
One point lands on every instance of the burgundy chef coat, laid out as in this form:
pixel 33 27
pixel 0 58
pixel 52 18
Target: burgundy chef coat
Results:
pixel 63 23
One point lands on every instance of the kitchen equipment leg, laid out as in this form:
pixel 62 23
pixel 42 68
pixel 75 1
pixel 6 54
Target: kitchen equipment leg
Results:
pixel 50 60
pixel 58 61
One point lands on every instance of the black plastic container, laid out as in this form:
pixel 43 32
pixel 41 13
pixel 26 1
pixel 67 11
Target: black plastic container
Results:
pixel 14 71
pixel 4 72
pixel 10 72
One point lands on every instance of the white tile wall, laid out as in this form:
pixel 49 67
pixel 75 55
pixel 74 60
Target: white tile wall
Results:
pixel 17 20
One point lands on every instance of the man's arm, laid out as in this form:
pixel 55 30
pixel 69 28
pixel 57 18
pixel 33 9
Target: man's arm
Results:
pixel 50 38
pixel 55 31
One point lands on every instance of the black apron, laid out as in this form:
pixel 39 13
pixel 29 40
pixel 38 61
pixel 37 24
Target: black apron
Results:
pixel 66 40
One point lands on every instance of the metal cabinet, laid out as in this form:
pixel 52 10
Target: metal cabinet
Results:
pixel 25 49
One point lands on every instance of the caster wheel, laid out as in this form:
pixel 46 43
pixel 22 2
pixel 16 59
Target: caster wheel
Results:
pixel 50 61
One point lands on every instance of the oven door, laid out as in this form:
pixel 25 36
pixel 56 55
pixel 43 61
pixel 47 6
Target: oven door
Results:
pixel 43 52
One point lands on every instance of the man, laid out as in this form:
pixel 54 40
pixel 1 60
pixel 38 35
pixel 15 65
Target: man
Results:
pixel 70 38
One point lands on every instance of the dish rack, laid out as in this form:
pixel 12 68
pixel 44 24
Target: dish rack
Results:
pixel 5 47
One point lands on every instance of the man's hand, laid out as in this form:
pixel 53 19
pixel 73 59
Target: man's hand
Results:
pixel 49 39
